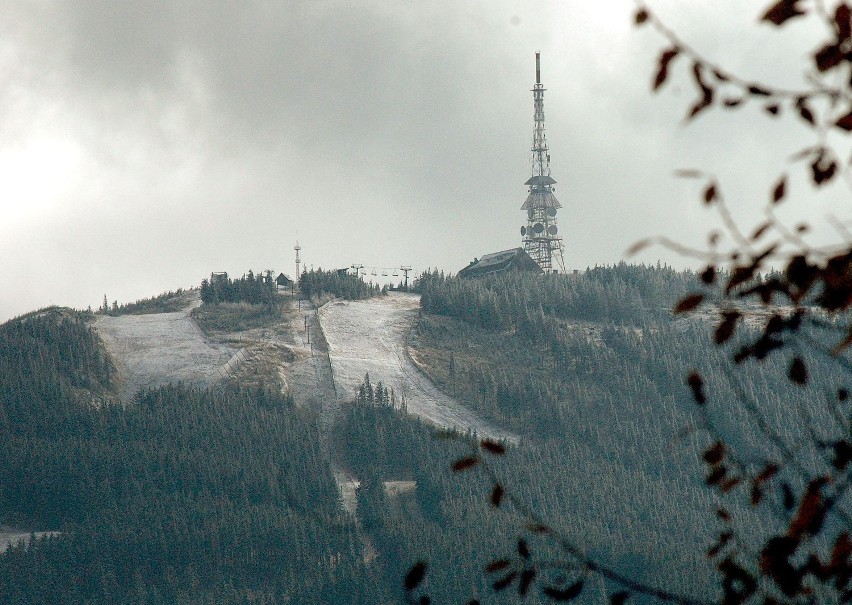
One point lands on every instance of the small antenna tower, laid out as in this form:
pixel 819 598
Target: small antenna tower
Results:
pixel 298 249
pixel 540 234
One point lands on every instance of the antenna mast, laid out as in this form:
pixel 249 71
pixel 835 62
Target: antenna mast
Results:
pixel 298 249
pixel 540 235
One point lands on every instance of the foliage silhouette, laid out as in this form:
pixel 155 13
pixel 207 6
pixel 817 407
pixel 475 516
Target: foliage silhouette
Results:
pixel 802 318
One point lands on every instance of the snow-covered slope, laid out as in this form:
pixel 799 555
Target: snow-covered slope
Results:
pixel 156 349
pixel 369 336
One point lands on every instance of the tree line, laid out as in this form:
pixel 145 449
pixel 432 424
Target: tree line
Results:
pixel 256 289
pixel 338 283
pixel 180 496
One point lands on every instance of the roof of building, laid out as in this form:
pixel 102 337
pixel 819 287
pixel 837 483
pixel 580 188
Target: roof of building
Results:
pixel 514 259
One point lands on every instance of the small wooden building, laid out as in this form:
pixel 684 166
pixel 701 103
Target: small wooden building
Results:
pixel 283 281
pixel 515 259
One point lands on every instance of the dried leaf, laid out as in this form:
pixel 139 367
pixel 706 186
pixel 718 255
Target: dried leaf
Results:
pixel 841 552
pixel 497 565
pixel 504 582
pixel 804 111
pixel 732 102
pixel 787 496
pixel 779 190
pixel 767 473
pixel 780 12
pixel 708 276
pixel 699 106
pixel 706 91
pixel 523 548
pixel 527 576
pixel 738 584
pixel 619 598
pixel 772 109
pixel 463 464
pixel 756 495
pixel 415 576
pixel 798 371
pixel 843 21
pixel 564 595
pixel 715 453
pixel 828 57
pixel 740 276
pixel 843 344
pixel 725 329
pixel 845 122
pixel 724 538
pixel 696 385
pixel 809 518
pixel 717 475
pixel 759 91
pixel 710 193
pixel 688 303
pixel 493 447
pixel 730 484
pixel 641 16
pixel 688 173
pixel 663 70
pixel 497 495
pixel 800 272
pixel 842 454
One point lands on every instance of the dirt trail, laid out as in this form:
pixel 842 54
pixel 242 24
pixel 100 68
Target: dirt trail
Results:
pixel 371 336
pixel 159 348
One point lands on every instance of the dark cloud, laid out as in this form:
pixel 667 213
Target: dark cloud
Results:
pixel 194 136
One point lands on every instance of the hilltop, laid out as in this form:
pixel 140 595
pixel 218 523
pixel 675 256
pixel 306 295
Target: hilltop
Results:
pixel 183 452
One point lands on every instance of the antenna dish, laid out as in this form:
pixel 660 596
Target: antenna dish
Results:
pixel 552 230
pixel 523 230
pixel 551 211
pixel 538 227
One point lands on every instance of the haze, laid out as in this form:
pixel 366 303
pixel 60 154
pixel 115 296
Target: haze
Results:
pixel 145 144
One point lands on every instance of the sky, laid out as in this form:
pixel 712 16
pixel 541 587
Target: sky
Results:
pixel 146 144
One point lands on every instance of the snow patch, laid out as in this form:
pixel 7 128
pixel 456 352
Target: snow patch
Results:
pixel 161 348
pixel 370 336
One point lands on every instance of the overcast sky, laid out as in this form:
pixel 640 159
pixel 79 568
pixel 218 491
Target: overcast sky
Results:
pixel 146 143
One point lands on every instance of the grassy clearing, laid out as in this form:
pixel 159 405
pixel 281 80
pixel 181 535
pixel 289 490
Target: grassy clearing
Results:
pixel 236 317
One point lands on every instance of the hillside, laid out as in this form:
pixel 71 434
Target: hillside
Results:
pixel 244 471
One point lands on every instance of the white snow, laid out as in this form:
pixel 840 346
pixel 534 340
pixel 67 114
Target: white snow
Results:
pixel 161 348
pixel 370 336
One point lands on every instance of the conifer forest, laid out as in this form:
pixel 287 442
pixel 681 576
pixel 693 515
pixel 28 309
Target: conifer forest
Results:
pixel 225 495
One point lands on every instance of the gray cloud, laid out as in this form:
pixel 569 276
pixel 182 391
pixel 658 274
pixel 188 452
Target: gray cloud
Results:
pixel 185 137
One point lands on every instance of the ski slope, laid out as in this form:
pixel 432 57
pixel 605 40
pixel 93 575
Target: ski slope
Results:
pixel 370 336
pixel 161 348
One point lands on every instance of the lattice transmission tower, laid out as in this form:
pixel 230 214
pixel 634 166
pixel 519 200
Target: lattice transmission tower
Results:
pixel 541 234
